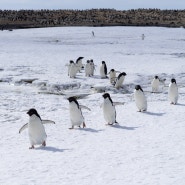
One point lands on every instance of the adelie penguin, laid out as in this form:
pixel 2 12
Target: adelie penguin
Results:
pixel 109 110
pixel 103 70
pixel 73 70
pixel 173 92
pixel 155 84
pixel 79 63
pixel 140 99
pixel 36 130
pixel 76 116
pixel 112 76
pixel 120 80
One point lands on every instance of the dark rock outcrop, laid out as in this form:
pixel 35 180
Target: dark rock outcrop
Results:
pixel 12 19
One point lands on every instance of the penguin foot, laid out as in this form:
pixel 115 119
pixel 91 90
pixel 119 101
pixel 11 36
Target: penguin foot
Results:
pixel 72 127
pixel 84 125
pixel 32 147
pixel 44 143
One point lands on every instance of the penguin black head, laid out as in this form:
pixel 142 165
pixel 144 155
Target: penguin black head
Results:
pixel 122 74
pixel 71 62
pixel 173 80
pixel 106 95
pixel 79 58
pixel 88 61
pixel 103 62
pixel 112 70
pixel 32 112
pixel 138 87
pixel 156 77
pixel 73 99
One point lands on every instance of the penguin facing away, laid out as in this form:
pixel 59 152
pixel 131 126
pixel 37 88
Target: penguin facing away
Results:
pixel 76 116
pixel 36 130
pixel 109 110
pixel 120 80
pixel 140 98
pixel 173 92
pixel 155 84
pixel 103 70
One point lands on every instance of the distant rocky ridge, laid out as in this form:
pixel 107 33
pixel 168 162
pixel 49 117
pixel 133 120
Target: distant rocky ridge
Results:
pixel 12 19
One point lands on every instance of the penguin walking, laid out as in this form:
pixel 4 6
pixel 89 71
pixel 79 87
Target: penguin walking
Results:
pixel 173 92
pixel 155 84
pixel 36 130
pixel 103 70
pixel 79 63
pixel 109 110
pixel 120 80
pixel 112 76
pixel 76 116
pixel 140 98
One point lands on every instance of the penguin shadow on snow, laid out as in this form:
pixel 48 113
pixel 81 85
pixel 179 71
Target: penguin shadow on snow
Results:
pixel 51 149
pixel 154 113
pixel 180 104
pixel 123 127
pixel 89 130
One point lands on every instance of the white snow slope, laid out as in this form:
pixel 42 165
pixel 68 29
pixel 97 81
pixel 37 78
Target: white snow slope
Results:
pixel 145 148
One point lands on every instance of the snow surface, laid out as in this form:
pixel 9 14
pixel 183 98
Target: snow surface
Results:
pixel 145 148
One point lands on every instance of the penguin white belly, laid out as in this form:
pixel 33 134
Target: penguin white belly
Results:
pixel 109 113
pixel 155 85
pixel 112 77
pixel 140 100
pixel 76 116
pixel 102 72
pixel 173 93
pixel 73 71
pixel 36 131
pixel 119 82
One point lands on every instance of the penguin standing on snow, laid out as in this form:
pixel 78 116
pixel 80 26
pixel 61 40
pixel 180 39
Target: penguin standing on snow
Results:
pixel 92 67
pixel 75 113
pixel 155 84
pixel 109 110
pixel 103 70
pixel 88 69
pixel 112 76
pixel 36 130
pixel 173 92
pixel 120 80
pixel 140 98
pixel 69 65
pixel 73 70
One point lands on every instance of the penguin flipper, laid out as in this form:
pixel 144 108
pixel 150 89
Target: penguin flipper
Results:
pixel 47 122
pixel 23 128
pixel 84 107
pixel 118 103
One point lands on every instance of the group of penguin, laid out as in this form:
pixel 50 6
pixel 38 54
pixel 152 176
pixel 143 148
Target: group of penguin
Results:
pixel 36 130
pixel 89 67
